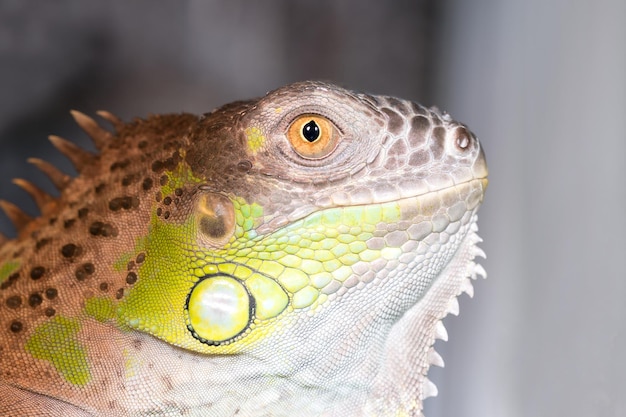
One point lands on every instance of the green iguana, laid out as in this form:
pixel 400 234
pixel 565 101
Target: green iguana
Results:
pixel 287 256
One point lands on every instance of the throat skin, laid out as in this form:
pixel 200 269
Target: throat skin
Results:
pixel 289 255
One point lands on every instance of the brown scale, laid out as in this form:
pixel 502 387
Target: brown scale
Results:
pixel 62 250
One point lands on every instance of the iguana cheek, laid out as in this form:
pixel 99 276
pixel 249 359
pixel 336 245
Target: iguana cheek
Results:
pixel 219 308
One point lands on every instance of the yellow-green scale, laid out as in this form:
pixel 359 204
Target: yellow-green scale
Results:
pixel 8 268
pixel 289 267
pixel 56 341
pixel 282 271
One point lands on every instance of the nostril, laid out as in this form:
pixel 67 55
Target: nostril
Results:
pixel 462 139
pixel 462 142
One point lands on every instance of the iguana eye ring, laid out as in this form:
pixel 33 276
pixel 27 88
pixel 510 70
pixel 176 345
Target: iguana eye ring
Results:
pixel 312 136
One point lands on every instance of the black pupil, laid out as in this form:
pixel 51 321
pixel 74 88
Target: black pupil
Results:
pixel 311 131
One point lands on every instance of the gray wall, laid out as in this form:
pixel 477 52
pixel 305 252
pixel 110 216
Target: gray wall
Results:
pixel 544 85
pixel 541 82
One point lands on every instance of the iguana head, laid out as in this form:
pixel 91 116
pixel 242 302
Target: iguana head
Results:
pixel 302 227
pixel 305 244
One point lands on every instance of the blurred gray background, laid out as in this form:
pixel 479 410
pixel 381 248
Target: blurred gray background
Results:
pixel 542 83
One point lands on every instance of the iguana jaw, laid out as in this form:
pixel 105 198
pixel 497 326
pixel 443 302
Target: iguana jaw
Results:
pixel 386 378
pixel 410 348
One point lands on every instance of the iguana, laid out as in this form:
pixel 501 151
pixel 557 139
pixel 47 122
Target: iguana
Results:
pixel 286 256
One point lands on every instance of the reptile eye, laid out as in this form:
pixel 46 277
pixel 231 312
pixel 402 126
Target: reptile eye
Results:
pixel 312 136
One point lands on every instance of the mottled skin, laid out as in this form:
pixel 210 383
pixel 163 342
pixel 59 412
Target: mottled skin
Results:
pixel 364 247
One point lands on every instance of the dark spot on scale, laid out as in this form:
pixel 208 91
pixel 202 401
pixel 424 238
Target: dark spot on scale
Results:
pixel 158 196
pixel 147 184
pixel 42 242
pixel 70 250
pixel 129 179
pixel 167 200
pixel 100 187
pixel 89 268
pixel 69 223
pixel 134 202
pixel 35 299
pixel 119 293
pixel 9 281
pixel 178 192
pixel 108 230
pixel 104 286
pixel 16 326
pixel 85 270
pixel 170 163
pixel 119 164
pixel 49 312
pixel 157 166
pixel 159 211
pixel 51 293
pixel 14 301
pixel 140 258
pixel 130 266
pixel 83 212
pixel 166 215
pixel 115 204
pixel 96 228
pixel 37 272
pixel 164 180
pixel 131 278
pixel 103 229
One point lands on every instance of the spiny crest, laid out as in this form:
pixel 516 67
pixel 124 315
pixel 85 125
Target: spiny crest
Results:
pixel 80 158
pixel 45 202
pixel 117 123
pixel 99 136
pixel 58 178
pixel 18 217
pixel 429 389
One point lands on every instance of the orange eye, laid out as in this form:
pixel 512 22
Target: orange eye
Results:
pixel 312 136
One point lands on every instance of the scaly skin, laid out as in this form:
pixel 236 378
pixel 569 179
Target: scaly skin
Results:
pixel 230 264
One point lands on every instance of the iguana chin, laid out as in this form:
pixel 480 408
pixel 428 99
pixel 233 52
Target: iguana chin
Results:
pixel 287 256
